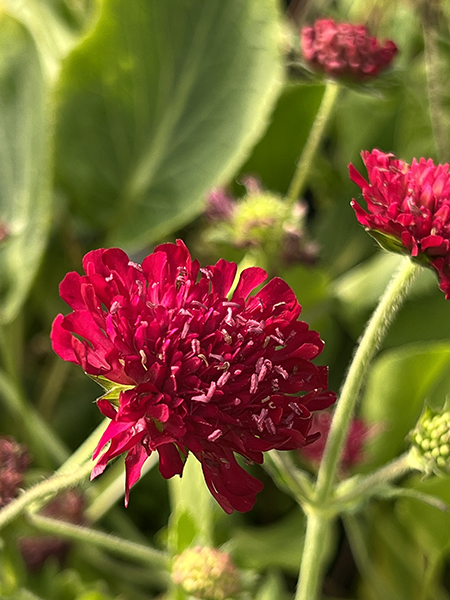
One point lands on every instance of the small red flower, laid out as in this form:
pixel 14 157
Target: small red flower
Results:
pixel 352 453
pixel 197 370
pixel 408 208
pixel 345 50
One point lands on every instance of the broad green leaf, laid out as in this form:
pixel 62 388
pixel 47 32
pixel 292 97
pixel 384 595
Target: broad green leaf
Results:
pixel 398 385
pixel 161 102
pixel 25 146
pixel 55 26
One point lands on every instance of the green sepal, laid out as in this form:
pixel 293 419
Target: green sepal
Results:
pixel 393 244
pixel 113 389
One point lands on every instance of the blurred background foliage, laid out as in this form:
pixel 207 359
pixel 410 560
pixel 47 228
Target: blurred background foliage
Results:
pixel 117 118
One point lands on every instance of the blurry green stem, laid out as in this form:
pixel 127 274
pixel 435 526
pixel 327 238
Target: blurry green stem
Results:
pixel 436 91
pixel 390 302
pixel 312 143
pixel 44 490
pixel 282 470
pixel 114 544
pixel 375 332
pixel 40 434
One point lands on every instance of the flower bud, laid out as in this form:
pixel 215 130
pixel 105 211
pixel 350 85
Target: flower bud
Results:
pixel 430 442
pixel 206 573
pixel 14 460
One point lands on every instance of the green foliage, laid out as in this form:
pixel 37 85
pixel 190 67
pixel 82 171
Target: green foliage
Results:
pixel 142 97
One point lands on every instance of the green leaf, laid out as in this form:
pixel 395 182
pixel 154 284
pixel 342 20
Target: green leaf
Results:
pixel 192 506
pixel 276 545
pixel 398 385
pixel 25 192
pixel 160 103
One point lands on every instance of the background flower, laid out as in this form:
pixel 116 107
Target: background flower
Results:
pixel 408 208
pixel 195 370
pixel 345 50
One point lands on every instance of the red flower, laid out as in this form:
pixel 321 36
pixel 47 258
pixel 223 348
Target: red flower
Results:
pixel 196 370
pixel 345 50
pixel 408 208
pixel 352 453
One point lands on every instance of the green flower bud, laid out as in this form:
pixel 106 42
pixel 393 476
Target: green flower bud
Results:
pixel 430 441
pixel 206 573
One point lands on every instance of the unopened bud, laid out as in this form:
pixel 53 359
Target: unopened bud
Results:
pixel 430 442
pixel 206 573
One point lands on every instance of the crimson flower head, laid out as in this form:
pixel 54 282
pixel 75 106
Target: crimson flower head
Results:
pixel 190 366
pixel 345 50
pixel 408 208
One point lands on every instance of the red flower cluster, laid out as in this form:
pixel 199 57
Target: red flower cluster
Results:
pixel 345 50
pixel 408 208
pixel 352 453
pixel 197 370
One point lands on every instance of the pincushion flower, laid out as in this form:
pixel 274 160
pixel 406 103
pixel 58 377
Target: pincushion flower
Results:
pixel 345 50
pixel 189 368
pixel 352 453
pixel 408 208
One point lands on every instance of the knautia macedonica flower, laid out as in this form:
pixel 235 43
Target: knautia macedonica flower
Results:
pixel 345 50
pixel 206 573
pixel 14 461
pixel 352 453
pixel 190 366
pixel 430 442
pixel 408 209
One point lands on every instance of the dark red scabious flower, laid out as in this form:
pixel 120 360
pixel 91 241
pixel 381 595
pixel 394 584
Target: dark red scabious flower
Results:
pixel 345 50
pixel 197 370
pixel 408 208
pixel 352 453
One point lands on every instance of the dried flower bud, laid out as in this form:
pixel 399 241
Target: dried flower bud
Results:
pixel 14 460
pixel 67 506
pixel 430 442
pixel 206 573
pixel 345 50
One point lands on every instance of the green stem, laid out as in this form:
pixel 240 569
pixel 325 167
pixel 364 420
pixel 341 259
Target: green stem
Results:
pixel 46 489
pixel 435 90
pixel 393 470
pixel 312 143
pixel 312 566
pixel 39 433
pixel 315 550
pixel 283 471
pixel 109 542
pixel 375 331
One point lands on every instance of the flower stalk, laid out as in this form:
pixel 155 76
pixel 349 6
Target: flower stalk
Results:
pixel 314 555
pixel 323 115
pixel 112 543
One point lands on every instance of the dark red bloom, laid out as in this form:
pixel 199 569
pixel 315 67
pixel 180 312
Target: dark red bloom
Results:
pixel 197 370
pixel 345 50
pixel 352 453
pixel 408 208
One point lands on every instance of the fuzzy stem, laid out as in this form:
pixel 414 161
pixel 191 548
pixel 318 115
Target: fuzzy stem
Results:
pixel 434 82
pixel 106 541
pixel 283 471
pixel 375 332
pixel 44 490
pixel 315 550
pixel 312 143
pixel 312 566
pixel 393 470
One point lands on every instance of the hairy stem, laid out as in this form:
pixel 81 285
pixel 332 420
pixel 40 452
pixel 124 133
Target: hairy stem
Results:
pixel 112 543
pixel 312 143
pixel 435 89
